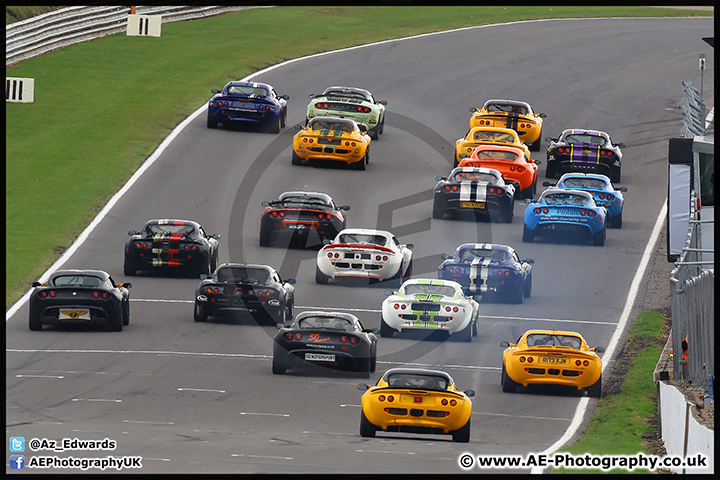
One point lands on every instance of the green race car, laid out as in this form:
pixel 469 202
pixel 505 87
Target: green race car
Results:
pixel 349 102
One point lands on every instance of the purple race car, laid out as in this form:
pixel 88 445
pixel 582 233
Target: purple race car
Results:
pixel 588 151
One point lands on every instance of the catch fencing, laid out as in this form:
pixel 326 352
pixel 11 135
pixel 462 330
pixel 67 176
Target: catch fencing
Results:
pixel 692 299
pixel 694 111
pixel 66 26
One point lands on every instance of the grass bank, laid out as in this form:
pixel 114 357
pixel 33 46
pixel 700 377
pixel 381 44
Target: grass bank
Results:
pixel 97 116
pixel 625 417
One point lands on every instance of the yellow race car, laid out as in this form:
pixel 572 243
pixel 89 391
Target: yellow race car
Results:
pixel 551 357
pixel 416 400
pixel 510 114
pixel 331 138
pixel 487 136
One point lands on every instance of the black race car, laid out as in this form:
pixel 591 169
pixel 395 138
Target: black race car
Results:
pixel 181 245
pixel 587 151
pixel 245 288
pixel 80 296
pixel 329 339
pixel 476 189
pixel 308 216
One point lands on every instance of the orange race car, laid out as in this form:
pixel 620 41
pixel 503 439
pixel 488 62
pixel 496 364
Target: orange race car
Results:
pixel 551 357
pixel 511 114
pixel 487 136
pixel 511 162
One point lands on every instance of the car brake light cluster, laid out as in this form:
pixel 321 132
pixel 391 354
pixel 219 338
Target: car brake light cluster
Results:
pixel 562 150
pixel 519 168
pixel 603 153
pixel 141 245
pixel 584 363
pixel 278 214
pixel 453 188
pixel 103 295
pixel 523 359
pixel 45 294
pixel 454 270
pixel 325 216
pixel 308 140
pixel 497 190
pixel 608 196
pixel 362 109
pixel 484 122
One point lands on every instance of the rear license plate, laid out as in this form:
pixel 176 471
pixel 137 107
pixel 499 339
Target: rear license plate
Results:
pixel 480 205
pixel 320 357
pixel 74 315
pixel 554 360
pixel 295 226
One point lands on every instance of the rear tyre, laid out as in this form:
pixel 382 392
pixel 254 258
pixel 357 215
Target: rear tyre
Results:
pixel 615 175
pixel 465 335
pixel 278 368
pixel 361 164
pixel 116 323
pixel 320 277
pixel 408 273
pixel 275 127
pixel 35 323
pixel 296 160
pixel 438 211
pixel 517 296
pixel 616 221
pixel 386 331
pixel 126 313
pixel 367 429
pixel 462 434
pixel 528 235
pixel 264 238
pixel 599 238
pixel 508 384
pixel 211 122
pixel 595 390
pixel 550 170
pixel 527 286
pixel 535 147
pixel 200 314
pixel 129 269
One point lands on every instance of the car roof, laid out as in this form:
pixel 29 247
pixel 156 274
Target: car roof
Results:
pixel 246 265
pixel 361 91
pixel 418 371
pixel 172 221
pixel 333 119
pixel 598 176
pixel 551 332
pixel 508 102
pixel 493 129
pixel 322 196
pixel 491 171
pixel 240 83
pixel 323 313
pixel 365 231
pixel 95 273
pixel 504 148
pixel 582 193
pixel 583 131
pixel 431 281
pixel 484 246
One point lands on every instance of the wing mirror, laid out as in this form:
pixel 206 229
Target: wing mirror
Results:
pixel 621 145
pixel 298 126
pixel 312 95
pixel 216 236
pixel 125 285
pixel 622 189
pixel 541 115
pixel 285 97
pixel 362 128
pixel 132 232
pixel 345 207
pixel 327 241
pixel 469 393
pixel 527 201
pixel 536 162
pixel 598 349
pixel 504 344
pixel 291 281
pixel 445 256
pixel 37 284
pixel 215 90
pixel 409 246
pixel 439 178
pixel 265 203
pixel 389 292
pixel 473 109
pixel 363 386
pixel 531 261
pixel 372 330
pixel 382 102
pixel 548 184
pixel 549 139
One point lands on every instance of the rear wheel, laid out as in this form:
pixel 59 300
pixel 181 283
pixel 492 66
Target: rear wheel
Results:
pixel 549 170
pixel 408 273
pixel 200 313
pixel 367 429
pixel 438 211
pixel 517 296
pixel 116 323
pixel 615 175
pixel 527 286
pixel 508 384
pixel 465 335
pixel 386 331
pixel 264 238
pixel 535 147
pixel 296 160
pixel 278 368
pixel 595 390
pixel 211 122
pixel 320 277
pixel 616 221
pixel 361 164
pixel 528 235
pixel 599 238
pixel 129 269
pixel 35 323
pixel 126 313
pixel 462 434
pixel 275 127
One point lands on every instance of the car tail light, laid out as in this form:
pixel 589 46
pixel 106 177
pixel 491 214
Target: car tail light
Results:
pixel 455 309
pixel 105 295
pixel 43 294
pixel 187 247
pixel 444 401
pixel 289 336
pixel 391 398
pixel 96 294
pixel 353 340
pixel 602 196
pixel 455 188
pixel 545 210
pixel 343 339
pixel 377 258
pixel 403 306
pixel 520 169
pixel 491 190
pixel 586 363
pixel 538 211
pixel 282 214
pixel 385 258
pixel 448 188
pixel 522 359
pixel 298 336
pixel 602 153
pixel 591 213
pixel 530 359
pixel 274 214
pixel 610 197
pixel 381 398
pixel 453 402
pixel 578 362
pixel 396 306
pixel 583 213
pixel 329 255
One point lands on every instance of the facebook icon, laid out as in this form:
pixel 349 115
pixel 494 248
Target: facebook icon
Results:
pixel 17 462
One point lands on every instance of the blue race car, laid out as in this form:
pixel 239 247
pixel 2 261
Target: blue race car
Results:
pixel 248 102
pixel 561 210
pixel 489 268
pixel 602 189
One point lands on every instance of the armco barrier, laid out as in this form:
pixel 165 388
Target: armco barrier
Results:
pixel 682 434
pixel 60 28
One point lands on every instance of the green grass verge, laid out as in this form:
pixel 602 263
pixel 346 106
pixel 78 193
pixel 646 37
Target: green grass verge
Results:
pixel 625 414
pixel 102 107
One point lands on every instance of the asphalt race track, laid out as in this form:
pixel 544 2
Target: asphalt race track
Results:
pixel 200 398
